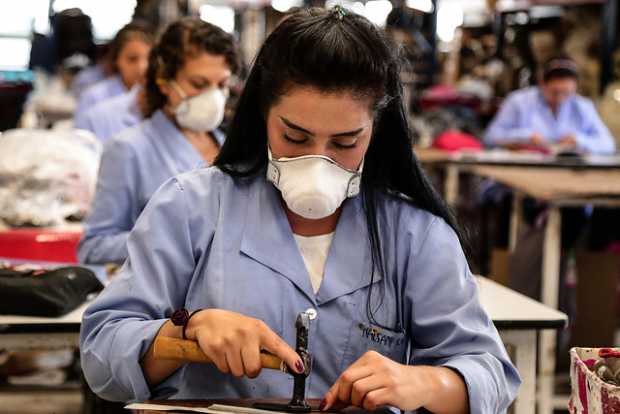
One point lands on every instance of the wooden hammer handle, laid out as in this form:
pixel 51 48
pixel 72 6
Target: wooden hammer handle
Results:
pixel 186 350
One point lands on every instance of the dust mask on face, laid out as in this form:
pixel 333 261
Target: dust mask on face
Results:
pixel 203 112
pixel 313 186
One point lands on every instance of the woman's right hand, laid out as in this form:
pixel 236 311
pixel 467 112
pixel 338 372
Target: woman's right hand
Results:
pixel 234 342
pixel 538 140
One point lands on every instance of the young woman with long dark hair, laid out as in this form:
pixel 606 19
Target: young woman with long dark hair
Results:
pixel 316 201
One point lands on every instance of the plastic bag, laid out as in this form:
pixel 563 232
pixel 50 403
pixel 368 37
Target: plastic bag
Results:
pixel 42 292
pixel 49 102
pixel 46 176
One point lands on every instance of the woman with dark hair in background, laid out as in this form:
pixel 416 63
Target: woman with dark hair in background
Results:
pixel 129 56
pixel 183 103
pixel 315 202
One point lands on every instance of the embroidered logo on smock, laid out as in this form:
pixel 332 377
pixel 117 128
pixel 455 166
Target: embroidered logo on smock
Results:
pixel 377 336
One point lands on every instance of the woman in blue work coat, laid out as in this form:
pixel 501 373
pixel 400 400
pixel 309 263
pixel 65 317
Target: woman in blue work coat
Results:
pixel 112 116
pixel 184 98
pixel 315 202
pixel 129 55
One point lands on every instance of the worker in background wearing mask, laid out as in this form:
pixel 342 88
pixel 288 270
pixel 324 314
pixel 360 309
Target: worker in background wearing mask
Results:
pixel 551 115
pixel 316 202
pixel 184 98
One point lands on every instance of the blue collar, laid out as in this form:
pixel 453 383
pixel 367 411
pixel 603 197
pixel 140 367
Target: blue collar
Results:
pixel 174 142
pixel 348 263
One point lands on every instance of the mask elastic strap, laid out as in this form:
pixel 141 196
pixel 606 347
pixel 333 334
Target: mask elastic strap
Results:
pixel 178 89
pixel 361 167
pixel 355 182
pixel 273 173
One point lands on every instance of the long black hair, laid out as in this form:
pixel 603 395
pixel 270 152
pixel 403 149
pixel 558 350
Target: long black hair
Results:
pixel 335 51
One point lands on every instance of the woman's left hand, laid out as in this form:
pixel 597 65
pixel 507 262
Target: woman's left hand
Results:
pixel 375 380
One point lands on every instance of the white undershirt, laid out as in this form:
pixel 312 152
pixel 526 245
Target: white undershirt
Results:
pixel 314 251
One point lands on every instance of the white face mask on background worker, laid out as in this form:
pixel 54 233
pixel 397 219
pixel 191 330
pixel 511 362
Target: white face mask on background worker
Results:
pixel 203 112
pixel 313 186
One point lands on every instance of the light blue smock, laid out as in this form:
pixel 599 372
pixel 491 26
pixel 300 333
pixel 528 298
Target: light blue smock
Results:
pixel 99 92
pixel 133 165
pixel 207 241
pixel 86 78
pixel 526 112
pixel 108 118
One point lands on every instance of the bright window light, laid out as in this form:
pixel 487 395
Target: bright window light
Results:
pixel 221 16
pixel 358 8
pixel 377 11
pixel 21 17
pixel 425 6
pixel 449 17
pixel 15 53
pixel 285 5
pixel 522 18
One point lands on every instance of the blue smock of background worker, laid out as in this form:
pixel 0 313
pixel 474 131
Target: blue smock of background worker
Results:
pixel 110 117
pixel 129 56
pixel 184 98
pixel 551 114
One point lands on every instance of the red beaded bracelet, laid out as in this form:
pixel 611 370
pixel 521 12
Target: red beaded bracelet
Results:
pixel 181 317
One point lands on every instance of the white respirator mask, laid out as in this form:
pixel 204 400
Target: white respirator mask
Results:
pixel 203 112
pixel 313 186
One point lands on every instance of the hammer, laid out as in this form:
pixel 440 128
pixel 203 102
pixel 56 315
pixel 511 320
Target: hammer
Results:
pixel 186 350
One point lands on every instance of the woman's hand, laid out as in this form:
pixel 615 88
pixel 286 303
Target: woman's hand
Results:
pixel 568 141
pixel 374 381
pixel 538 140
pixel 234 341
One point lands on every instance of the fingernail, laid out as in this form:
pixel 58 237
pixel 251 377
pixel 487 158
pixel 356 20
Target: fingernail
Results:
pixel 322 405
pixel 299 366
